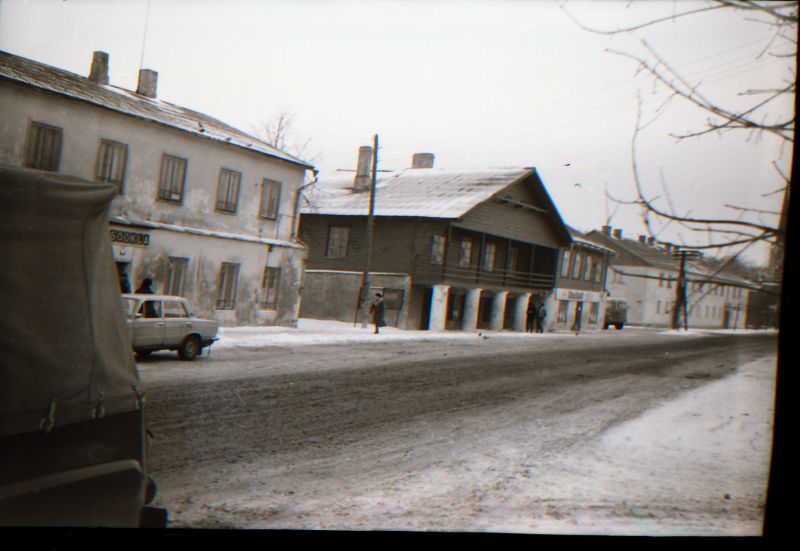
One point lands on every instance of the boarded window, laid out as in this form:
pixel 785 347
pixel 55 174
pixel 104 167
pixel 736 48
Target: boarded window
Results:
pixel 172 179
pixel 176 275
pixel 112 158
pixel 338 238
pixel 465 253
pixel 437 249
pixel 270 199
pixel 228 190
pixel 226 289
pixel 43 149
pixel 270 283
pixel 489 252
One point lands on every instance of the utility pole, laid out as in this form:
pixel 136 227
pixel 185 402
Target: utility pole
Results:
pixel 363 293
pixel 681 302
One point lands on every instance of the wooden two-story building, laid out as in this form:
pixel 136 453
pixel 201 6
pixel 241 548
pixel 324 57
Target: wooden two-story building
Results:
pixel 451 249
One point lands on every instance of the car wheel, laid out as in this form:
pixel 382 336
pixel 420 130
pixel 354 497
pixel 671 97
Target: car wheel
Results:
pixel 189 349
pixel 142 354
pixel 619 326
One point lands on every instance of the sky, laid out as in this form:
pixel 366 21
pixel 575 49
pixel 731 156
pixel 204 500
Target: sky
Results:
pixel 478 83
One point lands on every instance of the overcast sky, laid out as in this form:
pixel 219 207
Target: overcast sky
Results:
pixel 477 83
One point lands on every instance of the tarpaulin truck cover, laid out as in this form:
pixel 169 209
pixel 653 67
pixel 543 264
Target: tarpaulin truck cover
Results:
pixel 65 353
pixel 72 447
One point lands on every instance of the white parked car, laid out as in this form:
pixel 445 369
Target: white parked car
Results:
pixel 164 322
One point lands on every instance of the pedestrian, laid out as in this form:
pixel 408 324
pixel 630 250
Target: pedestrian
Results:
pixel 378 309
pixel 124 284
pixel 146 287
pixel 531 317
pixel 541 314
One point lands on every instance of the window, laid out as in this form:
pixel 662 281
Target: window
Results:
pixel 513 254
pixel 112 157
pixel 150 309
pixel 338 237
pixel 226 290
pixel 465 254
pixel 43 150
pixel 565 264
pixel 596 270
pixel 175 309
pixel 661 279
pixel 437 249
pixel 176 274
pixel 658 307
pixel 269 287
pixel 270 199
pixel 576 267
pixel 561 316
pixel 669 281
pixel 488 257
pixel 228 190
pixel 588 267
pixel 172 179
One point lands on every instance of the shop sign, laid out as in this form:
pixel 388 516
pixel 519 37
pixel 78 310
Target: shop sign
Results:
pixel 574 294
pixel 125 237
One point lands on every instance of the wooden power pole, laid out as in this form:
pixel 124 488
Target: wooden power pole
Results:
pixel 363 293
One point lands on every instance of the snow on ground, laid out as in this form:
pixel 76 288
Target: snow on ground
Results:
pixel 313 331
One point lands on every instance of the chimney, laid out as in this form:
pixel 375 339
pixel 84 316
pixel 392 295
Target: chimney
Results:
pixel 99 71
pixel 643 239
pixel 606 230
pixel 651 241
pixel 147 83
pixel 618 233
pixel 422 160
pixel 362 182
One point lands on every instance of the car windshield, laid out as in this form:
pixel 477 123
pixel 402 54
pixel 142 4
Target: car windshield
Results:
pixel 128 305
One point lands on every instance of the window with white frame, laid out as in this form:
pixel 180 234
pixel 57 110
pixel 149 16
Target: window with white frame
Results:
pixel 176 275
pixel 270 199
pixel 227 286
pixel 437 249
pixel 43 147
pixel 465 253
pixel 576 267
pixel 228 190
pixel 588 267
pixel 489 252
pixel 565 264
pixel 112 158
pixel 172 179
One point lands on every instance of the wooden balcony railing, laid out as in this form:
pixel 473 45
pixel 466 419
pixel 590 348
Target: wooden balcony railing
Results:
pixel 475 278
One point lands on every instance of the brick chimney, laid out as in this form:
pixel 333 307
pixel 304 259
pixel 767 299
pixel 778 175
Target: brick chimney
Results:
pixel 99 70
pixel 618 233
pixel 362 182
pixel 643 239
pixel 606 230
pixel 147 83
pixel 651 241
pixel 422 160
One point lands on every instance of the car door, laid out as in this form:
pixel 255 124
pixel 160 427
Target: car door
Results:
pixel 176 322
pixel 148 325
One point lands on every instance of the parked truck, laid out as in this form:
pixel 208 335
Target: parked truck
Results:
pixel 616 313
pixel 73 446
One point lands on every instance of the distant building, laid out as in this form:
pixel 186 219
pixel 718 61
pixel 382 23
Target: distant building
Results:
pixel 645 273
pixel 204 210
pixel 451 249
pixel 581 285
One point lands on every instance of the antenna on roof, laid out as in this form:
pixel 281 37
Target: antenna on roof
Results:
pixel 144 34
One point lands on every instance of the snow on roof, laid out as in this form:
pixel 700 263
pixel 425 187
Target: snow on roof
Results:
pixel 423 192
pixel 586 241
pixel 58 81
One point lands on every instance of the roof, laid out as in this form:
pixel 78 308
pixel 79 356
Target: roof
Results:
pixel 587 241
pixel 58 81
pixel 662 258
pixel 417 192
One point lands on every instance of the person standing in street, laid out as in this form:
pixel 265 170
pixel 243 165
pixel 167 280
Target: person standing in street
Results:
pixel 146 287
pixel 378 310
pixel 531 317
pixel 541 314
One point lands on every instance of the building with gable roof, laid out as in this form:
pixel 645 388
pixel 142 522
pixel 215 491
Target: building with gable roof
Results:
pixel 645 273
pixel 204 210
pixel 451 249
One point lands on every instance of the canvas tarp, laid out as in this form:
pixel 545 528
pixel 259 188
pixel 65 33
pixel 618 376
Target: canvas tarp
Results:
pixel 65 354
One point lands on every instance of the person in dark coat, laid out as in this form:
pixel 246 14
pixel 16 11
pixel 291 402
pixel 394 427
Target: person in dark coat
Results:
pixel 124 284
pixel 146 287
pixel 531 317
pixel 540 315
pixel 378 310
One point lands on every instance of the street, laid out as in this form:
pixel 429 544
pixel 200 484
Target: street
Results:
pixel 427 435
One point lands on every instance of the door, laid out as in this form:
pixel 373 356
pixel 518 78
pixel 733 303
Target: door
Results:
pixel 427 299
pixel 176 322
pixel 148 326
pixel 578 315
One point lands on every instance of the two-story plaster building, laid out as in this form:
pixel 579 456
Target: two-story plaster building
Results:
pixel 451 249
pixel 204 210
pixel 645 273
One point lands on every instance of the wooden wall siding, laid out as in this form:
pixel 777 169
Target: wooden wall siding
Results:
pixel 509 220
pixel 579 283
